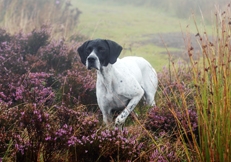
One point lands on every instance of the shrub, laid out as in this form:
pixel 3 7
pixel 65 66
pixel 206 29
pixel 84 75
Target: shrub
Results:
pixel 38 70
pixel 175 84
pixel 41 94
pixel 163 122
pixel 78 87
pixel 106 145
pixel 37 130
pixel 51 134
pixel 176 108
pixel 165 153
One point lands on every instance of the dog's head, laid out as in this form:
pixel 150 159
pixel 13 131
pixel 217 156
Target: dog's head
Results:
pixel 99 52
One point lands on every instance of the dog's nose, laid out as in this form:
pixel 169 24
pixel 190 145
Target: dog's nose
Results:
pixel 91 59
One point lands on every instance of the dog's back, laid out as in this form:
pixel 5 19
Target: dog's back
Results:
pixel 142 70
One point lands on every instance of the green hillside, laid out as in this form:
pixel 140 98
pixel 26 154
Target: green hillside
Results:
pixel 130 26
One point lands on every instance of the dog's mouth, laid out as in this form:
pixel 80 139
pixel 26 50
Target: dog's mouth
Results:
pixel 89 67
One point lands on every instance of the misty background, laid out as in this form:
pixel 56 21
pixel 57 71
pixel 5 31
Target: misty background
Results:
pixel 179 8
pixel 143 27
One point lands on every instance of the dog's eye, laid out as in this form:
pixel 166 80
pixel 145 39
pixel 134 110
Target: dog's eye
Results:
pixel 101 49
pixel 88 50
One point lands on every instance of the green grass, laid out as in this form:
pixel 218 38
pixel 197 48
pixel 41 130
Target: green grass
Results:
pixel 129 26
pixel 213 99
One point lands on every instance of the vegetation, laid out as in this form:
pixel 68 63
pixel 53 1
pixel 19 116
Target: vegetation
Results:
pixel 142 31
pixel 48 109
pixel 179 8
pixel 213 93
pixel 26 15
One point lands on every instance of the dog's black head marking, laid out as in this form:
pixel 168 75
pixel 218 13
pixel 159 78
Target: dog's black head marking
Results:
pixel 83 52
pixel 107 51
pixel 114 51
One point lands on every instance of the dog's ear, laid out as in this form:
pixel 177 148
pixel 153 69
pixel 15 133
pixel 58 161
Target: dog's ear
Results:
pixel 114 49
pixel 81 50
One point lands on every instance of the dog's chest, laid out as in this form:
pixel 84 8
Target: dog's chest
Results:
pixel 109 94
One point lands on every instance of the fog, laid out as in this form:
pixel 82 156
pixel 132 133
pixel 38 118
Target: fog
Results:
pixel 142 27
pixel 34 13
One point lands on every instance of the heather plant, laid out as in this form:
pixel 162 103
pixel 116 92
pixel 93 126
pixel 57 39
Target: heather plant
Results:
pixel 4 36
pixel 176 95
pixel 38 133
pixel 106 145
pixel 173 83
pixel 33 75
pixel 175 116
pixel 165 153
pixel 163 122
pixel 17 83
pixel 38 70
pixel 41 132
pixel 42 91
pixel 78 87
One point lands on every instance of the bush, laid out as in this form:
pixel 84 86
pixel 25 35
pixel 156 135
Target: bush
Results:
pixel 43 88
pixel 37 70
pixel 48 134
pixel 175 114
pixel 163 122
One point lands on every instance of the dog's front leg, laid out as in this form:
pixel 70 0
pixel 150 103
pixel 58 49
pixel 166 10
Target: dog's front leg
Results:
pixel 130 107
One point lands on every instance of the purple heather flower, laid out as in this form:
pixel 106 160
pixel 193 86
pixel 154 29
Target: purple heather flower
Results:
pixel 48 138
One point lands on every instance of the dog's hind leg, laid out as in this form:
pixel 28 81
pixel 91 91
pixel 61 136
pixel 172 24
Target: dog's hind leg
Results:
pixel 149 99
pixel 107 118
pixel 150 86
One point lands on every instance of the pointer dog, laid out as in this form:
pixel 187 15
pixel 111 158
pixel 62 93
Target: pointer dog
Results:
pixel 121 83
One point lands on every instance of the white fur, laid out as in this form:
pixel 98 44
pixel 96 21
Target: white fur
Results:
pixel 121 86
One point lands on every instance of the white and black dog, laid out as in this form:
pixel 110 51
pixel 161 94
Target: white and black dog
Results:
pixel 121 83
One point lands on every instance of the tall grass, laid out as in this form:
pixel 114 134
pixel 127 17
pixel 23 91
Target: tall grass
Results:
pixel 212 79
pixel 26 15
pixel 206 89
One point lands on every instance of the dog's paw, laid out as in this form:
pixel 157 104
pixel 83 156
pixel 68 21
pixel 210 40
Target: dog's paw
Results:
pixel 117 122
pixel 120 120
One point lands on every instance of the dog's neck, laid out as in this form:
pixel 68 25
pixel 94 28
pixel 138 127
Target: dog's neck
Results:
pixel 104 73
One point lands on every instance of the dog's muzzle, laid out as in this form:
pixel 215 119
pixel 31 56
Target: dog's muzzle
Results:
pixel 92 62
